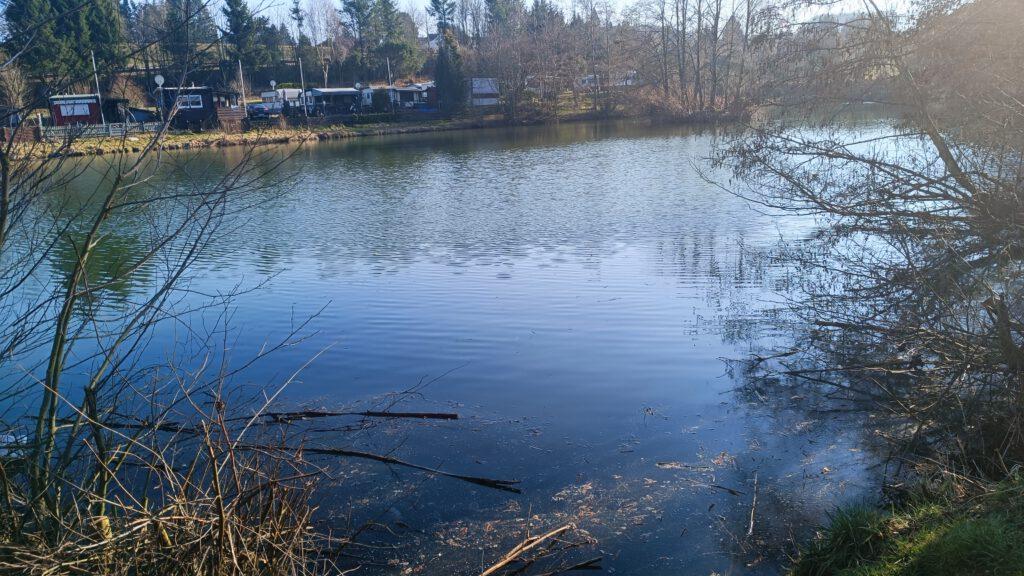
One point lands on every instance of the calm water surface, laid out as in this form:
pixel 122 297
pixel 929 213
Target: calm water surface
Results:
pixel 571 291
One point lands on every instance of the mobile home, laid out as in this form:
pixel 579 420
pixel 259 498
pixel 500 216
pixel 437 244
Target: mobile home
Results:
pixel 202 107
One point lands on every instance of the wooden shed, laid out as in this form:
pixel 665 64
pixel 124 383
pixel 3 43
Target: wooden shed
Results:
pixel 75 109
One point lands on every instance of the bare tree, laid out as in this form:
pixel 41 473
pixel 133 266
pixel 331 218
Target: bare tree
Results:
pixel 912 291
pixel 14 86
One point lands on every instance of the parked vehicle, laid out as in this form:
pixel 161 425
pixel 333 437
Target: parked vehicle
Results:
pixel 266 110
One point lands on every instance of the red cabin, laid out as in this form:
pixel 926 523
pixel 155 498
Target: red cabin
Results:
pixel 75 109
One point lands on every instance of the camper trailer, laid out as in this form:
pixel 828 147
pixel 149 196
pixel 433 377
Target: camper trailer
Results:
pixel 335 101
pixel 275 103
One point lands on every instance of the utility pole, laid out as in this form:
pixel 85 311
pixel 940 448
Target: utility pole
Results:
pixel 391 85
pixel 302 85
pixel 96 79
pixel 241 83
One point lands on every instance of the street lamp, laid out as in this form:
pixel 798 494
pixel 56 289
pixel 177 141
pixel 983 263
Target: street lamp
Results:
pixel 159 79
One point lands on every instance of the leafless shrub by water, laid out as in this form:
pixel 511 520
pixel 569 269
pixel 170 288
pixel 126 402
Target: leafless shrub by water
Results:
pixel 910 290
pixel 95 477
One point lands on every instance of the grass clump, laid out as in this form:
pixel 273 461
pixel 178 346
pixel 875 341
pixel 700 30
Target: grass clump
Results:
pixel 935 535
pixel 854 536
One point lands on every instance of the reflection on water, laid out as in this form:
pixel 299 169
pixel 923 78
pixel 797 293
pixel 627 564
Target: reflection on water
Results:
pixel 577 287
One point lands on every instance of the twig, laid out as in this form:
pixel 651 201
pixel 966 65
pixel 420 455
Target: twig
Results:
pixel 525 546
pixel 753 507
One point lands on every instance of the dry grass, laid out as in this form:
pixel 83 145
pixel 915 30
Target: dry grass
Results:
pixel 182 503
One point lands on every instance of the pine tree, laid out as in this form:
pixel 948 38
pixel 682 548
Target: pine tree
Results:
pixel 31 28
pixel 270 39
pixel 398 46
pixel 106 33
pixel 179 37
pixel 204 28
pixel 443 11
pixel 299 17
pixel 451 81
pixel 61 34
pixel 360 19
pixel 500 13
pixel 241 32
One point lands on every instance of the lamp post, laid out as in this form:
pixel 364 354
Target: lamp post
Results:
pixel 159 79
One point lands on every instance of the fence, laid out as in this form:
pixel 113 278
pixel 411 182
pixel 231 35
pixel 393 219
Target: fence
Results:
pixel 116 130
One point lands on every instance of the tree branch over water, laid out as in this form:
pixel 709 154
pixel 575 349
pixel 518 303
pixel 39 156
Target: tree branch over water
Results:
pixel 910 289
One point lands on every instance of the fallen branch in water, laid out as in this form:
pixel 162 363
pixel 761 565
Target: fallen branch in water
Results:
pixel 273 417
pixel 506 485
pixel 732 491
pixel 753 508
pixel 525 546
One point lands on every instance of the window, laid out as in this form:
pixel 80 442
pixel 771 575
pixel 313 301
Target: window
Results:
pixel 67 110
pixel 190 101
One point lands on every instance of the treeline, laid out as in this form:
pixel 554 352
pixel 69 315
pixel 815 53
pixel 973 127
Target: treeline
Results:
pixel 659 56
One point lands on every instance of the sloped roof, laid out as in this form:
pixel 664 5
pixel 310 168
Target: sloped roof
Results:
pixel 332 91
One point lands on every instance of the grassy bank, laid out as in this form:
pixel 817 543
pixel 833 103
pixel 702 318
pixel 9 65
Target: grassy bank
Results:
pixel 934 533
pixel 302 134
pixel 260 136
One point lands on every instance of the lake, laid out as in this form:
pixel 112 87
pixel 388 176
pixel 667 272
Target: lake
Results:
pixel 572 293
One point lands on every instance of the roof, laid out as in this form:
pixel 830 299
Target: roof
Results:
pixel 333 91
pixel 420 87
pixel 67 96
pixel 183 88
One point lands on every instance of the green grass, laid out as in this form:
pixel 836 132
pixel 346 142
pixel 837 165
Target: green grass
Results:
pixel 928 536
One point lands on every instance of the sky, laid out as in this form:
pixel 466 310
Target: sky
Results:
pixel 277 10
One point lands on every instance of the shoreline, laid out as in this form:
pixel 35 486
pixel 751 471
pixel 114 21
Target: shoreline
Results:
pixel 306 135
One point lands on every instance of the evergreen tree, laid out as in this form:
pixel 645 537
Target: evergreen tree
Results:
pixel 271 39
pixel 299 17
pixel 58 37
pixel 451 81
pixel 544 14
pixel 443 11
pixel 106 33
pixel 361 22
pixel 398 45
pixel 32 30
pixel 188 24
pixel 501 13
pixel 241 32
pixel 202 23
